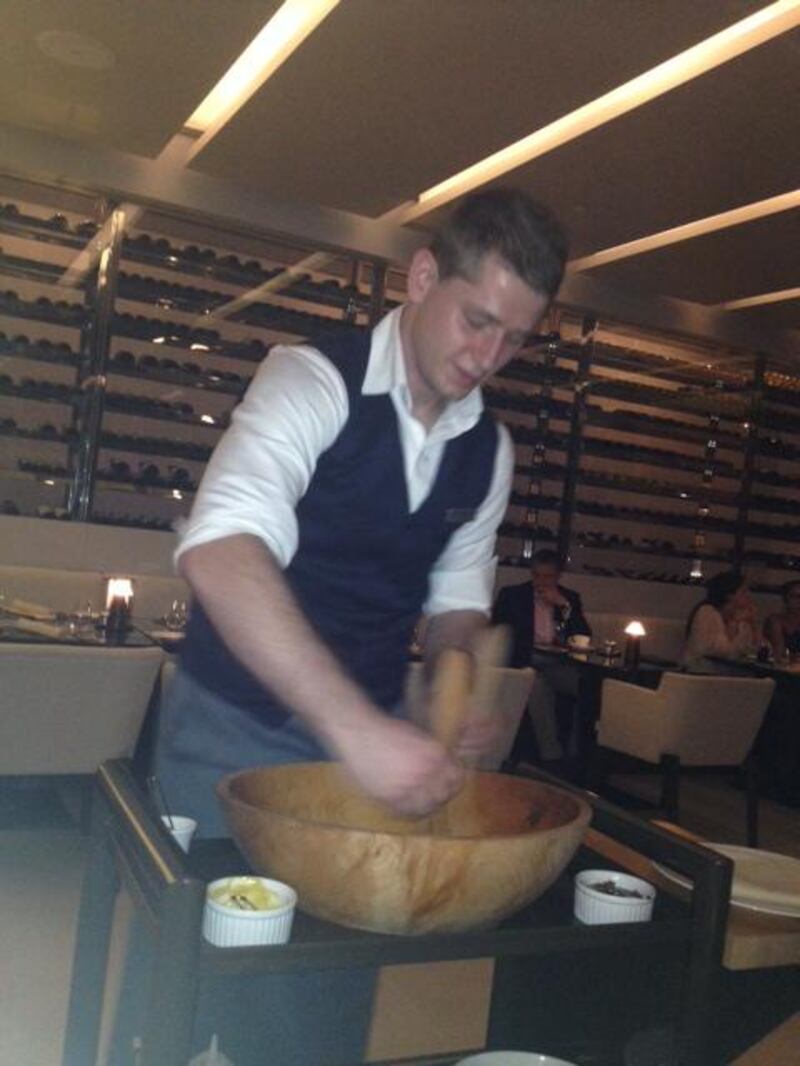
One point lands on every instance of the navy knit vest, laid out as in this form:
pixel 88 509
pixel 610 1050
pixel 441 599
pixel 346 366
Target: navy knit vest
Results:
pixel 361 568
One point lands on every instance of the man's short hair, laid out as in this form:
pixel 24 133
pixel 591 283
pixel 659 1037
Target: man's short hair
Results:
pixel 513 226
pixel 547 557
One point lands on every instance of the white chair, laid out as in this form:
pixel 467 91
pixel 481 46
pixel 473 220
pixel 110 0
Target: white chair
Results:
pixel 65 709
pixel 689 721
pixel 513 688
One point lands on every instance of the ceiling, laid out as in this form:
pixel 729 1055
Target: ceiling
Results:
pixel 385 99
pixel 166 55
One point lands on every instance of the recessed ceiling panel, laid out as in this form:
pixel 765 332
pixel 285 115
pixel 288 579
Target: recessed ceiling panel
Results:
pixel 747 260
pixel 784 315
pixel 118 73
pixel 385 99
pixel 726 139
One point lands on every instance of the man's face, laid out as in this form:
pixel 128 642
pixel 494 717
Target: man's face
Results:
pixel 544 576
pixel 461 331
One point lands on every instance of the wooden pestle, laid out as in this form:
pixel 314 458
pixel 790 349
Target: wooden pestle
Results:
pixel 490 651
pixel 462 685
pixel 450 692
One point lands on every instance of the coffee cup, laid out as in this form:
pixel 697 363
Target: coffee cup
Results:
pixel 579 640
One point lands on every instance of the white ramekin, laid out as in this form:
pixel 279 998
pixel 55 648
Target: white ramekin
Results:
pixel 227 927
pixel 180 828
pixel 594 907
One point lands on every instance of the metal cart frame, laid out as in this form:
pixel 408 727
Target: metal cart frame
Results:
pixel 129 847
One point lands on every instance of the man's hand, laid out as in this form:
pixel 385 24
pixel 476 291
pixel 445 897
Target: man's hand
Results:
pixel 550 594
pixel 480 734
pixel 400 766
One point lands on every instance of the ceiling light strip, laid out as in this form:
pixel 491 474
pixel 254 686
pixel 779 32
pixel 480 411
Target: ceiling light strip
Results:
pixel 698 228
pixel 761 300
pixel 286 30
pixel 756 29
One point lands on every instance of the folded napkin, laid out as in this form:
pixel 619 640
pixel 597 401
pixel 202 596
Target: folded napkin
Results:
pixel 43 629
pixel 25 609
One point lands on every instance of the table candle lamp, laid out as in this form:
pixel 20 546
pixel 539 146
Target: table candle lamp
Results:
pixel 634 631
pixel 119 605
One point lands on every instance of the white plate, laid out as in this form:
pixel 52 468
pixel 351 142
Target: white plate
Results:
pixel 762 880
pixel 165 634
pixel 511 1058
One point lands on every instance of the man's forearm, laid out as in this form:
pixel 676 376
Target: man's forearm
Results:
pixel 252 607
pixel 255 612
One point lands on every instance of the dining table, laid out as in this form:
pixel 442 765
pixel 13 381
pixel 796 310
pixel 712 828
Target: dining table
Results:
pixel 756 937
pixel 23 622
pixel 759 980
pixel 751 665
pixel 592 667
pixel 170 639
pixel 62 631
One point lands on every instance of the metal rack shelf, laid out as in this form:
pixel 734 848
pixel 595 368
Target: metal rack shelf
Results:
pixel 49 474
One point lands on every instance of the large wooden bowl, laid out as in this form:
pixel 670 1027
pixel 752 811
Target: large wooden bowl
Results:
pixel 495 847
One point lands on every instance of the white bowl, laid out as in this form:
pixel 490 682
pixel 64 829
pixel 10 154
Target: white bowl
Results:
pixel 595 907
pixel 512 1058
pixel 228 927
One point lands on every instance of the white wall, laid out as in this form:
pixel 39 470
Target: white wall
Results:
pixel 104 550
pixel 64 565
pixel 83 546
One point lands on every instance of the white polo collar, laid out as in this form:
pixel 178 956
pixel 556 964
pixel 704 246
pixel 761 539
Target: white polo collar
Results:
pixel 386 373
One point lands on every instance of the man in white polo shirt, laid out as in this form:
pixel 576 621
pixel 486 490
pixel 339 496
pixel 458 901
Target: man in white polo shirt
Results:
pixel 360 484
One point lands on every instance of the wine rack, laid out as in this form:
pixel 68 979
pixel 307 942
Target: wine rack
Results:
pixel 188 327
pixel 674 461
pixel 635 455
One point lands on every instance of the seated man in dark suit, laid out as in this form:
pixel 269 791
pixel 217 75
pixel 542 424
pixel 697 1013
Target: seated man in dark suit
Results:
pixel 542 611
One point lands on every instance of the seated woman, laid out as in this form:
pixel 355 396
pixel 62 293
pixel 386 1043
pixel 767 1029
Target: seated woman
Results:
pixel 782 630
pixel 723 624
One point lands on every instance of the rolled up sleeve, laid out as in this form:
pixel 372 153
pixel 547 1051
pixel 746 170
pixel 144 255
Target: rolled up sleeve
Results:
pixel 463 577
pixel 293 410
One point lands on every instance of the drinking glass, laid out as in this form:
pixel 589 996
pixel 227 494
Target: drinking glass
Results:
pixel 176 616
pixel 609 649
